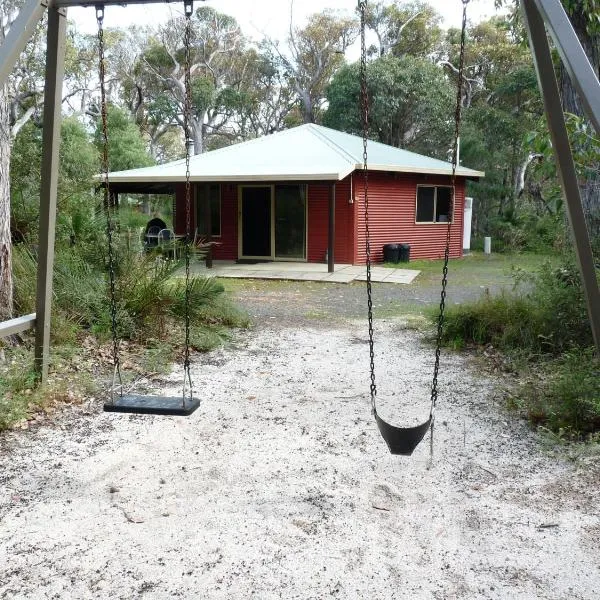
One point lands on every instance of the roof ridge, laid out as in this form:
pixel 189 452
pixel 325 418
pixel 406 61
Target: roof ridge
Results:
pixel 317 131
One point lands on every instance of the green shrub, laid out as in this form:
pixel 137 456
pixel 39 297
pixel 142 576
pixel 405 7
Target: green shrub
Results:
pixel 525 232
pixel 544 321
pixel 567 395
pixel 545 314
pixel 150 297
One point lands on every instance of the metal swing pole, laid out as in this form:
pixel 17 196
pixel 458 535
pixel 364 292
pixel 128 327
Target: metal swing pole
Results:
pixel 16 39
pixel 55 59
pixel 588 88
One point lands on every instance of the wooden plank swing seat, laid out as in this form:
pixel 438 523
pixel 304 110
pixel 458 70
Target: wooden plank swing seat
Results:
pixel 152 405
pixel 141 404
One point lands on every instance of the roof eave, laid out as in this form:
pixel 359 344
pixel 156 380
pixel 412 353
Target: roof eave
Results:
pixel 115 178
pixel 461 172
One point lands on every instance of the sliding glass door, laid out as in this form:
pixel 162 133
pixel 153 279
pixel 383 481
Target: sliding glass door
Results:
pixel 272 222
pixel 290 221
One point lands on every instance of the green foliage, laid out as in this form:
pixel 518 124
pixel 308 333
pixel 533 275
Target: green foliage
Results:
pixel 545 314
pixel 316 52
pixel 566 394
pixel 586 11
pixel 24 280
pixel 585 144
pixel 543 324
pixel 78 164
pixel 404 28
pixel 203 93
pixel 126 148
pixel 525 231
pixel 410 103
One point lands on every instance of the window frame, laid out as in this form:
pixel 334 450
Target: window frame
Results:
pixel 212 219
pixel 435 187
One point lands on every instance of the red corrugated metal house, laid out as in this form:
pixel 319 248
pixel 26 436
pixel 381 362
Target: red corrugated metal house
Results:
pixel 298 195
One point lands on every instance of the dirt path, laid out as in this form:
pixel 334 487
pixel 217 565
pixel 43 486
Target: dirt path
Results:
pixel 280 487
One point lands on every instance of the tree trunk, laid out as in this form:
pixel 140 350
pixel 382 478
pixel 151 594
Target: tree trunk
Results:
pixel 197 131
pixel 308 113
pixel 571 104
pixel 6 284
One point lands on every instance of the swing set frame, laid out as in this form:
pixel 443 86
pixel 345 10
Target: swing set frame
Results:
pixel 540 16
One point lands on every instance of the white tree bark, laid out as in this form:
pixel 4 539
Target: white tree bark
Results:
pixel 6 283
pixel 519 184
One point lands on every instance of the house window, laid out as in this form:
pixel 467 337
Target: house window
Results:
pixel 433 203
pixel 215 209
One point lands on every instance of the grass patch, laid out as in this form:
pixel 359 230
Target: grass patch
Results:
pixel 17 382
pixel 476 268
pixel 21 399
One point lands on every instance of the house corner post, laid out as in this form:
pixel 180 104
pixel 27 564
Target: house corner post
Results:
pixel 55 58
pixel 208 221
pixel 331 232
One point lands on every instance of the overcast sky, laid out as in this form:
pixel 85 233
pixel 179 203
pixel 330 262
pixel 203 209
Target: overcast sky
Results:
pixel 262 16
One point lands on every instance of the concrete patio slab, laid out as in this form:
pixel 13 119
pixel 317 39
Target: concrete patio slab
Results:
pixel 341 277
pixel 301 271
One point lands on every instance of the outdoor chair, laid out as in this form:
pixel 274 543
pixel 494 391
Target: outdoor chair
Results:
pixel 167 243
pixel 151 238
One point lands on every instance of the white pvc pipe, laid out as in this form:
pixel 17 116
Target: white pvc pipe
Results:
pixel 487 245
pixel 467 224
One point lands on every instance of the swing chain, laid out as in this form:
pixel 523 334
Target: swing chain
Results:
pixel 187 111
pixel 364 102
pixel 457 121
pixel 108 208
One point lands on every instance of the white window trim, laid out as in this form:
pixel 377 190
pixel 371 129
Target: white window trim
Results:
pixel 420 185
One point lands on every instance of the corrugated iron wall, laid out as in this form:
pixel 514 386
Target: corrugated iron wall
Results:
pixel 226 247
pixel 392 210
pixel 179 209
pixel 318 222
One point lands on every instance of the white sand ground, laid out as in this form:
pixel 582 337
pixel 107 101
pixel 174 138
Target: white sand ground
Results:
pixel 280 487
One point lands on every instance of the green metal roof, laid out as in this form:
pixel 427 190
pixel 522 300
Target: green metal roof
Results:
pixel 305 153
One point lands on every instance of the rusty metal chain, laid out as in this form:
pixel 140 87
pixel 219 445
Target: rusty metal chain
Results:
pixel 110 223
pixel 187 114
pixel 457 120
pixel 364 109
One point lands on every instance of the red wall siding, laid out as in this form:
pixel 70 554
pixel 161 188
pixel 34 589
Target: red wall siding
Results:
pixel 392 209
pixel 226 247
pixel 318 222
pixel 179 210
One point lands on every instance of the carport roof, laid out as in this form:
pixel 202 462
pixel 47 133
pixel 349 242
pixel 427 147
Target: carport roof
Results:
pixel 305 153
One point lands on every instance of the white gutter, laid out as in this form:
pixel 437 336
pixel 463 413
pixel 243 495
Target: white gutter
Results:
pixel 116 178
